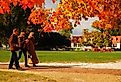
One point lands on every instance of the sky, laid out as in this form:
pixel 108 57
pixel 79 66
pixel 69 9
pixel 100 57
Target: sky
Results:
pixel 50 4
pixel 83 24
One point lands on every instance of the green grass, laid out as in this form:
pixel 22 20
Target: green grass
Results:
pixel 69 56
pixel 22 77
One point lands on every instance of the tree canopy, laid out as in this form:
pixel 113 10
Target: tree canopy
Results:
pixel 108 11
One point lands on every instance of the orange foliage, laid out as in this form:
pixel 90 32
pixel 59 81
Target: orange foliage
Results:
pixel 37 16
pixel 102 25
pixel 108 11
pixel 59 20
pixel 4 7
pixel 4 4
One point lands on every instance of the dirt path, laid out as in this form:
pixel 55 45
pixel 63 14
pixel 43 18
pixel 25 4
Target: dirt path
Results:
pixel 72 73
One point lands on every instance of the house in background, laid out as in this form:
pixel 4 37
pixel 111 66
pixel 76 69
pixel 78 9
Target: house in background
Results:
pixel 116 42
pixel 75 41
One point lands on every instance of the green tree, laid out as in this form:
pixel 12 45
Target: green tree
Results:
pixel 97 39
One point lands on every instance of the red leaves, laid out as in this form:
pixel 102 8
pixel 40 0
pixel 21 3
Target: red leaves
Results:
pixel 4 4
pixel 59 21
pixel 4 7
pixel 37 16
pixel 15 3
pixel 40 17
pixel 109 11
pixel 27 3
pixel 39 2
pixel 1 11
pixel 102 25
pixel 48 27
pixel 53 1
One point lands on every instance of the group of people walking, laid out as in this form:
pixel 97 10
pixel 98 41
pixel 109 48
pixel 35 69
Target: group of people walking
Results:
pixel 23 45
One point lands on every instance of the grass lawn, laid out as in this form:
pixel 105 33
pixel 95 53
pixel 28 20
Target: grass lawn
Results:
pixel 69 56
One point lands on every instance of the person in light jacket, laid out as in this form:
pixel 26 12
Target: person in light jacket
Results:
pixel 31 48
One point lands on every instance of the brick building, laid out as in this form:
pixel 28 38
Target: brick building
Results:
pixel 116 42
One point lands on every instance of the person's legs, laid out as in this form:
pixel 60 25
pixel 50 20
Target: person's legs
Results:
pixel 25 57
pixel 32 59
pixel 16 60
pixel 20 54
pixel 11 61
pixel 34 65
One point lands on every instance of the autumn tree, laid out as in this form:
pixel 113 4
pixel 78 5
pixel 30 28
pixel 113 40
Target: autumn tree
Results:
pixel 17 18
pixel 108 11
pixel 116 31
pixel 96 39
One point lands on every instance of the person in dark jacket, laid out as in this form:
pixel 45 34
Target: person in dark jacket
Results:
pixel 23 48
pixel 13 42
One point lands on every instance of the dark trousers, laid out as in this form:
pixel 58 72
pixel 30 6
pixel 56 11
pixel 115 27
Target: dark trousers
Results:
pixel 25 55
pixel 14 59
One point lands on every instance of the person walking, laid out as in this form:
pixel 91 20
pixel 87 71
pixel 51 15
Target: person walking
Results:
pixel 23 48
pixel 13 42
pixel 31 49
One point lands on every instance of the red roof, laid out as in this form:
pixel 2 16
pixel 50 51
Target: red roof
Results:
pixel 116 39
